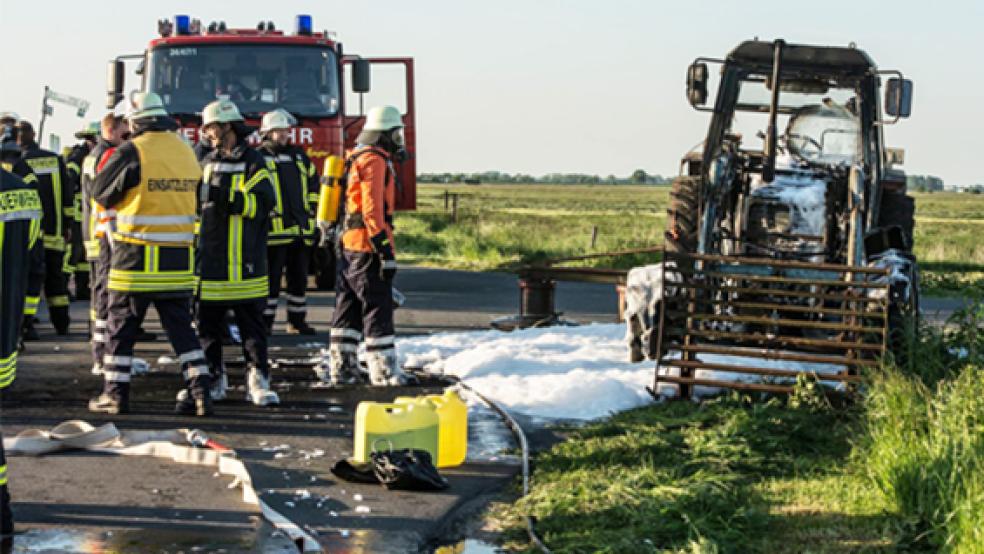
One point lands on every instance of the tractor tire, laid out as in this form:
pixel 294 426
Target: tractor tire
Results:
pixel 681 236
pixel 903 324
pixel 898 209
pixel 683 223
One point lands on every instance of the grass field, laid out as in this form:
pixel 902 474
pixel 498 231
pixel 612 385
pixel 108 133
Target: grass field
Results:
pixel 501 226
pixel 899 468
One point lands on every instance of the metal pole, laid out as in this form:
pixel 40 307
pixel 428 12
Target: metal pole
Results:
pixel 44 113
pixel 769 165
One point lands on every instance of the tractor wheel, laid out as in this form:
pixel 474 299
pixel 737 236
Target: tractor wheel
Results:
pixel 898 209
pixel 903 322
pixel 682 229
pixel 682 224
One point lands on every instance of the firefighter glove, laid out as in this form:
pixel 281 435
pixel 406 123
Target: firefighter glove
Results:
pixel 383 247
pixel 328 233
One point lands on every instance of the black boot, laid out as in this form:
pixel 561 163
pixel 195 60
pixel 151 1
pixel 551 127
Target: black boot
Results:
pixel 28 332
pixel 297 326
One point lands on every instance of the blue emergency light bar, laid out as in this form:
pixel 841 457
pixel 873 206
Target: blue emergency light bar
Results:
pixel 304 24
pixel 182 24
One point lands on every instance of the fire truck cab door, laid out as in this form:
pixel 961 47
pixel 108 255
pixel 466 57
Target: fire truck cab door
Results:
pixel 355 119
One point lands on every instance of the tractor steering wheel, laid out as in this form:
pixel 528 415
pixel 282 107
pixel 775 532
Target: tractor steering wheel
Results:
pixel 807 140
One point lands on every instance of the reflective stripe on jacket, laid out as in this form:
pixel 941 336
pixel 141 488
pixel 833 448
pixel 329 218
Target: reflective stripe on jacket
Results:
pixel 232 243
pixel 93 217
pixel 57 200
pixel 158 164
pixel 160 210
pixel 290 174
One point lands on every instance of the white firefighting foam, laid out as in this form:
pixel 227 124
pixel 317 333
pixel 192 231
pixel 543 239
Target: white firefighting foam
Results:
pixel 559 372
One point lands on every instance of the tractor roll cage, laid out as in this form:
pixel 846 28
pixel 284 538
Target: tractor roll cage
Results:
pixel 812 61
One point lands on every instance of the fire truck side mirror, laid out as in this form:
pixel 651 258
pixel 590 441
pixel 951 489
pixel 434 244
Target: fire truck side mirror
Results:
pixel 114 83
pixel 361 76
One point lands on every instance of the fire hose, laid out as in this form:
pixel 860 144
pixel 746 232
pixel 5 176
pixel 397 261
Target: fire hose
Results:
pixel 524 447
pixel 171 444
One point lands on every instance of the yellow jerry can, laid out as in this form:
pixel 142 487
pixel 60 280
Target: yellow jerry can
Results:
pixel 452 413
pixel 395 426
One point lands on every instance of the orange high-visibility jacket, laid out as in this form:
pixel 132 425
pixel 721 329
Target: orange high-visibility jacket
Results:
pixel 371 192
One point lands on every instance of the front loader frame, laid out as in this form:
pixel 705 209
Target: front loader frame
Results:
pixel 736 307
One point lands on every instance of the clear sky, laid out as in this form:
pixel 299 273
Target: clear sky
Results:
pixel 540 86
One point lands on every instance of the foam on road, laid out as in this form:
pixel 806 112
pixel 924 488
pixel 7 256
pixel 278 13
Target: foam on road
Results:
pixel 559 372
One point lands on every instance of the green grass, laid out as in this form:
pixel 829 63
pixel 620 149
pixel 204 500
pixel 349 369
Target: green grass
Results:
pixel 502 226
pixel 924 442
pixel 899 469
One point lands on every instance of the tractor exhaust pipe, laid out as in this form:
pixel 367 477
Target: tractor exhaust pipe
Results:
pixel 769 164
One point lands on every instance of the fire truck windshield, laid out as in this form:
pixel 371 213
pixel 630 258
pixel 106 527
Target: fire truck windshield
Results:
pixel 258 78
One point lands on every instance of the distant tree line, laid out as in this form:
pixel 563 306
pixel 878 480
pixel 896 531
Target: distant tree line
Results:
pixel 924 183
pixel 638 177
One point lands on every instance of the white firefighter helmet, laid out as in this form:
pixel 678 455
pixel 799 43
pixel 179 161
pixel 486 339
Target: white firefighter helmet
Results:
pixel 277 119
pixel 383 118
pixel 122 108
pixel 146 104
pixel 221 111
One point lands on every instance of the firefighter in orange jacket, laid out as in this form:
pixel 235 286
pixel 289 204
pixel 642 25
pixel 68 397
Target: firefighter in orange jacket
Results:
pixel 367 264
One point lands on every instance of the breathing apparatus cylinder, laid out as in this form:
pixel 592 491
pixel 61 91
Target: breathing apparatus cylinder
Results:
pixel 331 191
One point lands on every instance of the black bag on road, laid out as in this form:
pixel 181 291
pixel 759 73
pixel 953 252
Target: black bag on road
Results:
pixel 407 469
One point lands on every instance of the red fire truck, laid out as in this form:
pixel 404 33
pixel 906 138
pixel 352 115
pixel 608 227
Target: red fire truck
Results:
pixel 262 69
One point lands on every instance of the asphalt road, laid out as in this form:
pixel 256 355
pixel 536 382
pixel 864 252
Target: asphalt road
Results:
pixel 84 501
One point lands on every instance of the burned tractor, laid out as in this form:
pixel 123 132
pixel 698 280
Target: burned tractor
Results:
pixel 789 240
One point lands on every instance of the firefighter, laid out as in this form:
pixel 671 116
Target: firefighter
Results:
pixel 235 201
pixel 20 231
pixel 73 166
pixel 112 129
pixel 10 160
pixel 367 265
pixel 150 182
pixel 57 201
pixel 291 226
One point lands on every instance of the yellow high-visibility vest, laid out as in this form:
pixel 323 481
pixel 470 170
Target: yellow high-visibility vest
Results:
pixel 160 210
